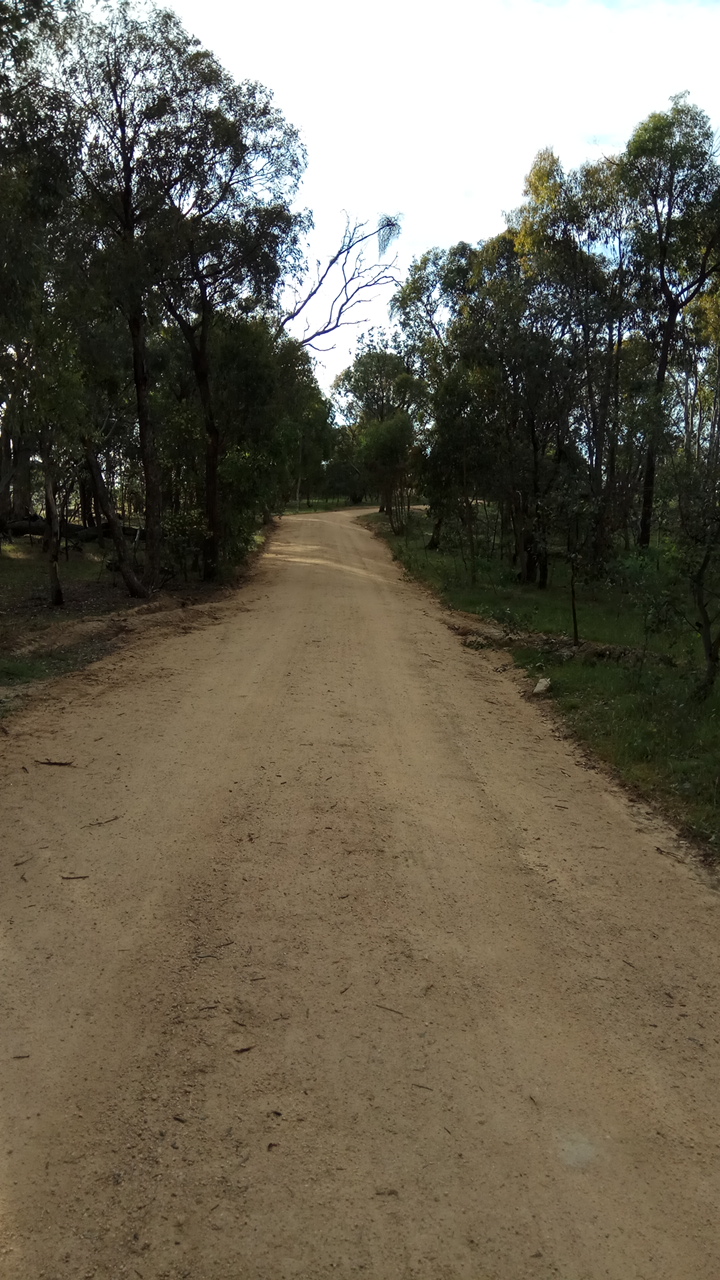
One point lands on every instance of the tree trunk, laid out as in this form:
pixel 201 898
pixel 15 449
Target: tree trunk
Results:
pixel 85 488
pixel 708 682
pixel 299 478
pixel 6 471
pixel 56 595
pixel 434 543
pixel 198 345
pixel 543 564
pixel 148 450
pixel 648 497
pixel 573 604
pixel 136 588
pixel 211 543
pixel 22 481
pixel 524 549
pixel 469 523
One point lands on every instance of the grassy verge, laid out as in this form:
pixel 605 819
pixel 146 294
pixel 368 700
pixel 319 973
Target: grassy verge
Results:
pixel 640 717
pixel 17 675
pixel 39 642
pixel 53 662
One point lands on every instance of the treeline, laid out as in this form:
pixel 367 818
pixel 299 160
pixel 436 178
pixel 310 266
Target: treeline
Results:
pixel 147 243
pixel 555 390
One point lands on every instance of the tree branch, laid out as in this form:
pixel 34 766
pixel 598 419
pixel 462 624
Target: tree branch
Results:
pixel 357 280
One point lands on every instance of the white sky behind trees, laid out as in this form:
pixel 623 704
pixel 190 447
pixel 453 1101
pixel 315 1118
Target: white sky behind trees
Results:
pixel 435 112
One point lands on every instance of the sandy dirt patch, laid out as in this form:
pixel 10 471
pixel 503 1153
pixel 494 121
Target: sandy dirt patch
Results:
pixel 327 956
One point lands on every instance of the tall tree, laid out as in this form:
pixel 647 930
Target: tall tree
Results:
pixel 671 173
pixel 230 234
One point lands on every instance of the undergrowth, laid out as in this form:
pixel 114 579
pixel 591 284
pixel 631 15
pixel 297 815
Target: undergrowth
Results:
pixel 640 714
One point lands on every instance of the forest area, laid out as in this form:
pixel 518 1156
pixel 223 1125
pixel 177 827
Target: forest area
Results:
pixel 152 264
pixel 539 421
pixel 552 395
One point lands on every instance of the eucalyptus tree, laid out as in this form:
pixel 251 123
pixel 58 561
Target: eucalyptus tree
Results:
pixel 573 232
pixel 121 73
pixel 38 162
pixel 671 173
pixel 230 233
pixel 128 78
pixel 274 420
pixel 186 180
pixel 378 398
pixel 518 359
pixel 21 22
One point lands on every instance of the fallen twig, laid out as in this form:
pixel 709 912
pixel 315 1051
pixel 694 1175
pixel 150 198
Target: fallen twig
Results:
pixel 74 877
pixel 61 764
pixel 387 1009
pixel 247 1049
pixel 103 823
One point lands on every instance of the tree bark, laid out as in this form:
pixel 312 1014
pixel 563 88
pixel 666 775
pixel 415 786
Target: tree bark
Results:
pixel 85 488
pixel 648 497
pixel 56 595
pixel 211 544
pixel 136 588
pixel 6 471
pixel 198 344
pixel 573 603
pixel 434 543
pixel 22 482
pixel 148 450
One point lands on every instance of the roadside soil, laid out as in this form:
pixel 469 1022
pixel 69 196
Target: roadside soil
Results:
pixel 325 954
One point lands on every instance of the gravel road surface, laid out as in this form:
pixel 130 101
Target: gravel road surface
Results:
pixel 329 956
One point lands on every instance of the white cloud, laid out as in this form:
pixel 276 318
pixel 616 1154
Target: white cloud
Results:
pixel 437 112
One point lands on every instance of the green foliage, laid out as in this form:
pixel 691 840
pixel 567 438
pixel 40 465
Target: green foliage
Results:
pixel 380 403
pixel 634 706
pixel 654 733
pixel 146 229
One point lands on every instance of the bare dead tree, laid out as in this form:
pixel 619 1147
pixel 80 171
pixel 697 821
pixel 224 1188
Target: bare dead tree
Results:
pixel 346 282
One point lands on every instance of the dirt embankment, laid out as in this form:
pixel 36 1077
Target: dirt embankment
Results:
pixel 326 955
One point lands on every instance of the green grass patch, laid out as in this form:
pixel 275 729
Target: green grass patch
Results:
pixel 24 568
pixel 606 613
pixel 648 724
pixel 642 718
pixel 45 666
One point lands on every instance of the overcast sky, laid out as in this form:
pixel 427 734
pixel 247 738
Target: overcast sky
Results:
pixel 436 112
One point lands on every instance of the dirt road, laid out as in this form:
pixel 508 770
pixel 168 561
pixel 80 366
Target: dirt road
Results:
pixel 328 957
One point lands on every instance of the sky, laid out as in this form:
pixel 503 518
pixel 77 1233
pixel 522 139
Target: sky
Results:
pixel 435 113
